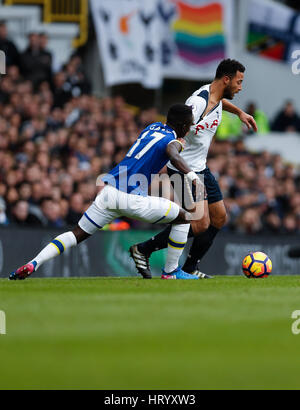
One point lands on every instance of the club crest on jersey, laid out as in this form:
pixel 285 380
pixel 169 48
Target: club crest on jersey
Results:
pixel 201 127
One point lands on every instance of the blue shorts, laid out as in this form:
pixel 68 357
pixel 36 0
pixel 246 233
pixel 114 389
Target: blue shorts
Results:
pixel 213 191
pixel 212 186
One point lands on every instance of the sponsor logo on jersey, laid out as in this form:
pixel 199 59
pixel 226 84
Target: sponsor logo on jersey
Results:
pixel 201 127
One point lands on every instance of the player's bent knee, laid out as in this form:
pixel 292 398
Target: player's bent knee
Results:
pixel 219 221
pixel 80 234
pixel 200 226
pixel 205 224
pixel 183 217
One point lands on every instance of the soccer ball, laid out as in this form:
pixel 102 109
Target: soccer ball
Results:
pixel 257 265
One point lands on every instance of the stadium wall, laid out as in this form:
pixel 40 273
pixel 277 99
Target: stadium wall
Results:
pixel 106 254
pixel 273 143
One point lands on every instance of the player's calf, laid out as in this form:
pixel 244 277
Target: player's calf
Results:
pixel 52 250
pixel 218 214
pixel 176 244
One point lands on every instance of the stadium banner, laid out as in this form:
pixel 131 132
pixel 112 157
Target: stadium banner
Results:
pixel 273 30
pixel 144 42
pixel 106 254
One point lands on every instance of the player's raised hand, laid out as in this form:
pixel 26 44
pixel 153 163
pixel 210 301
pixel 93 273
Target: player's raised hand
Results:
pixel 249 121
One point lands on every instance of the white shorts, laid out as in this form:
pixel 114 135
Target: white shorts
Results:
pixel 111 204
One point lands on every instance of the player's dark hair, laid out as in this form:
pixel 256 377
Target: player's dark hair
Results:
pixel 179 114
pixel 229 68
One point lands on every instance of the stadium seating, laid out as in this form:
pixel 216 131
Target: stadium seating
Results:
pixel 22 20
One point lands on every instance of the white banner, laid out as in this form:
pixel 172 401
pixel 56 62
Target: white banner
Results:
pixel 145 41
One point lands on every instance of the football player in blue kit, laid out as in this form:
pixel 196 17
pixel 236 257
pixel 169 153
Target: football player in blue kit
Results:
pixel 125 193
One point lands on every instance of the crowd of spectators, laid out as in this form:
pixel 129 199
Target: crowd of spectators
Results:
pixel 286 120
pixel 262 194
pixel 56 139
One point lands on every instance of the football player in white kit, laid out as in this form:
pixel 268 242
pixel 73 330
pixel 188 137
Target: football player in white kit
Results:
pixel 207 103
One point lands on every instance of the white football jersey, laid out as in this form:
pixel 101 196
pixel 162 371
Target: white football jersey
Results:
pixel 200 137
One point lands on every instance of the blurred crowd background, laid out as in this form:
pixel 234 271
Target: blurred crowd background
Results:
pixel 56 138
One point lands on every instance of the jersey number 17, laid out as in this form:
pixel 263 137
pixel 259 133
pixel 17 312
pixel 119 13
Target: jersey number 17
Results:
pixel 157 136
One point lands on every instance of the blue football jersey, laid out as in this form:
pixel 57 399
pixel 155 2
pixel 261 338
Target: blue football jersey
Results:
pixel 144 160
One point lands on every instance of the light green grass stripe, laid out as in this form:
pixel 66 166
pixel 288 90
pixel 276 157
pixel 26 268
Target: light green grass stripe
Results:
pixel 100 333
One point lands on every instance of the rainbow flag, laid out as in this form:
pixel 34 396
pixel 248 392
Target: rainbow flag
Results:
pixel 199 33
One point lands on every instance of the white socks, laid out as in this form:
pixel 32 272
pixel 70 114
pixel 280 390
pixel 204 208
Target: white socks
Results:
pixel 55 248
pixel 177 241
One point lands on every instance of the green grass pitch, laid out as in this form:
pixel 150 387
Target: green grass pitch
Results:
pixel 226 333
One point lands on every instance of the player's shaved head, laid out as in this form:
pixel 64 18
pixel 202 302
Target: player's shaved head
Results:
pixel 179 114
pixel 180 118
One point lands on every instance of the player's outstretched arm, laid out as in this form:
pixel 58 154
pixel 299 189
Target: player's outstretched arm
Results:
pixel 173 152
pixel 243 116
